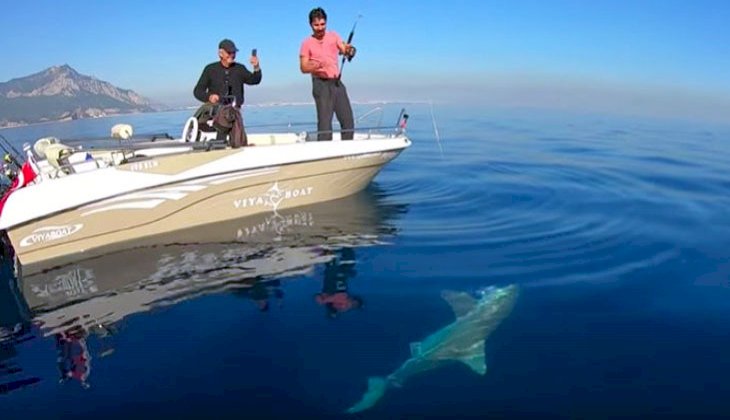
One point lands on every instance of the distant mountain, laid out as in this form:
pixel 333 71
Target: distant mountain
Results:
pixel 59 93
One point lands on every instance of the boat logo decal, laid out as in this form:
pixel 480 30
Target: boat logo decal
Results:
pixel 277 224
pixel 141 166
pixel 76 283
pixel 50 233
pixel 152 198
pixel 273 197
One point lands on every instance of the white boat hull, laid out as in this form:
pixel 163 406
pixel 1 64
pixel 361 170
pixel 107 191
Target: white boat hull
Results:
pixel 166 193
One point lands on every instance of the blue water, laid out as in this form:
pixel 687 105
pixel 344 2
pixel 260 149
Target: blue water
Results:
pixel 617 231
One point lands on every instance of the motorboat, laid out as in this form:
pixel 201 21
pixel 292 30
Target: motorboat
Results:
pixel 76 296
pixel 85 197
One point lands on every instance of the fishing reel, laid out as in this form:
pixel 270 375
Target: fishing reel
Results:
pixel 350 54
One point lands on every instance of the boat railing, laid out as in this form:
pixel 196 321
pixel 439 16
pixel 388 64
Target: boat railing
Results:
pixel 375 112
pixel 360 133
pixel 365 132
pixel 56 159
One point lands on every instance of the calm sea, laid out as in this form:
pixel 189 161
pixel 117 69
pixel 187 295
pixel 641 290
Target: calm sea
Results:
pixel 616 230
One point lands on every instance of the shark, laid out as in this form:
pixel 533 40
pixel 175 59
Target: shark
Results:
pixel 461 341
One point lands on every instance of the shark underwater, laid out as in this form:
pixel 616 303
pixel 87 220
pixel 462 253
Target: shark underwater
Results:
pixel 461 341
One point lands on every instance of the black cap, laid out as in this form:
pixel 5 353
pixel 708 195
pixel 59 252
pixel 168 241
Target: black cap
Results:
pixel 228 45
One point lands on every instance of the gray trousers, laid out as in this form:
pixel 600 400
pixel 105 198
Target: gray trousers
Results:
pixel 330 96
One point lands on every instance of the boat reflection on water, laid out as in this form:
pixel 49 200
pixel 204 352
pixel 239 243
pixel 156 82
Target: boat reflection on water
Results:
pixel 77 296
pixel 15 328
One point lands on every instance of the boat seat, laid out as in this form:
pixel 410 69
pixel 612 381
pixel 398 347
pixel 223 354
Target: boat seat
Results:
pixel 40 145
pixel 195 131
pixel 57 155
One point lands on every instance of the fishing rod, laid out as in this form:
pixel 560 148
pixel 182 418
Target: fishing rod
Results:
pixel 10 164
pixel 349 40
pixel 12 155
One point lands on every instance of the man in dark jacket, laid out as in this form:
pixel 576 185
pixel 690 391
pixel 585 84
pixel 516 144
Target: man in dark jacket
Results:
pixel 221 82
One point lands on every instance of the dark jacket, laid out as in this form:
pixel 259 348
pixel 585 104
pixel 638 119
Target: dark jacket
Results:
pixel 229 120
pixel 222 81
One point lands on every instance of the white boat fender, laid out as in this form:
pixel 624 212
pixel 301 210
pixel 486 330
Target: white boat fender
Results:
pixel 122 131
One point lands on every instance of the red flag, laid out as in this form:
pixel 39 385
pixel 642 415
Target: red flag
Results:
pixel 26 175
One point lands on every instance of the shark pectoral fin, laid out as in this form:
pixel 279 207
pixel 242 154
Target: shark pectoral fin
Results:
pixel 416 349
pixel 475 359
pixel 461 303
pixel 477 364
pixel 376 390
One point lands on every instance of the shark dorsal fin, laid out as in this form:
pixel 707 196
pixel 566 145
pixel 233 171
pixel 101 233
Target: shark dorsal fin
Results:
pixel 475 359
pixel 460 302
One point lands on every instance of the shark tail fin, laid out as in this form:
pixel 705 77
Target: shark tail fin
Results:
pixel 376 389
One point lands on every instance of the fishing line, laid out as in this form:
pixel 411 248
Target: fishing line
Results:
pixel 436 130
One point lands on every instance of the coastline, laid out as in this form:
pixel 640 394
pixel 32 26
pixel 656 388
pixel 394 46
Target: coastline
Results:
pixel 67 119
pixel 14 124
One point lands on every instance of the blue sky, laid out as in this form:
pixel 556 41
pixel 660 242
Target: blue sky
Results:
pixel 648 56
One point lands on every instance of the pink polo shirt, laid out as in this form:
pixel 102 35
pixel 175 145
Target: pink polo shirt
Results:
pixel 324 51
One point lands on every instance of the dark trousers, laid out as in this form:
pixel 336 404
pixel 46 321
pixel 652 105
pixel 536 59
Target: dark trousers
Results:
pixel 330 96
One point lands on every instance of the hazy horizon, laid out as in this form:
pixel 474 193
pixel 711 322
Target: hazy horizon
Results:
pixel 653 58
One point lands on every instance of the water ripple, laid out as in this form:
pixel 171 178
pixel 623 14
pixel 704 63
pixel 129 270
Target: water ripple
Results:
pixel 563 208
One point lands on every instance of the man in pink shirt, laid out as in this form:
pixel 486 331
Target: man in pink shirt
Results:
pixel 318 56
